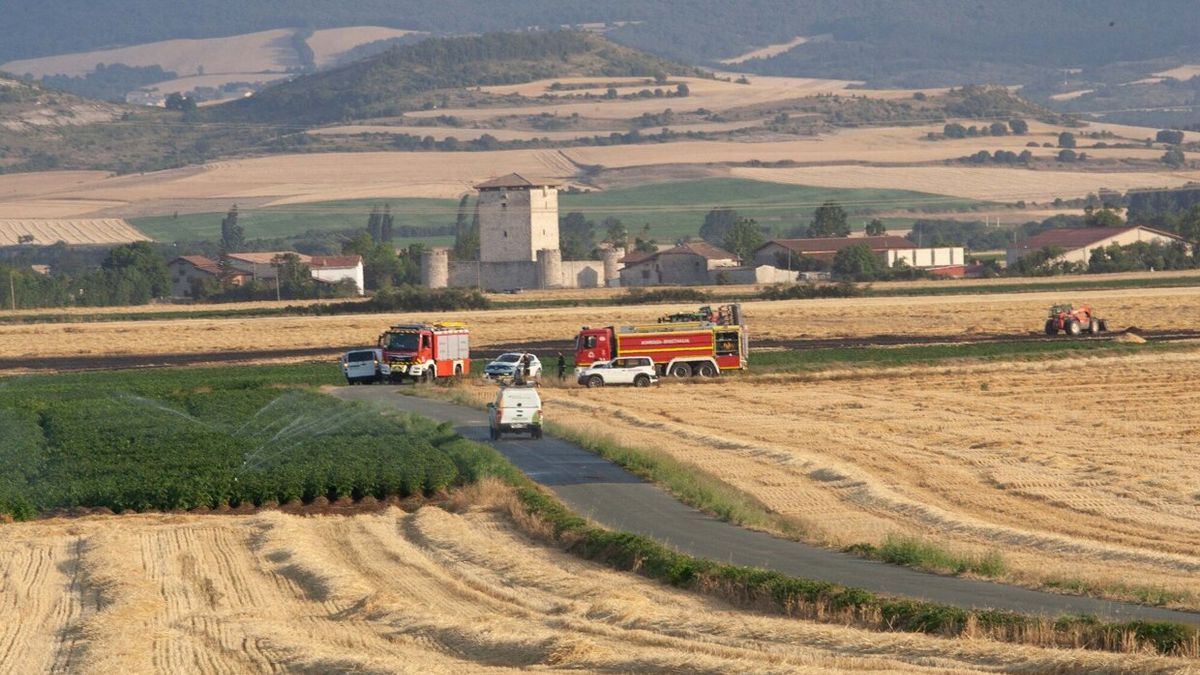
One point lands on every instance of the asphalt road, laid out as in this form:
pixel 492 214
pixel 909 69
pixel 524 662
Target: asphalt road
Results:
pixel 602 491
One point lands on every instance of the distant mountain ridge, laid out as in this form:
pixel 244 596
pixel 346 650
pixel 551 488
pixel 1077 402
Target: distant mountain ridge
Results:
pixel 405 78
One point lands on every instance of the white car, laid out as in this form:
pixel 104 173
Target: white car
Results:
pixel 506 365
pixel 516 409
pixel 365 365
pixel 636 370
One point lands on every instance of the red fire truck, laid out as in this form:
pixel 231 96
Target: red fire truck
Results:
pixel 422 351
pixel 679 347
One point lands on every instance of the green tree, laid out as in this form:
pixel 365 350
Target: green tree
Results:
pixel 954 130
pixel 615 231
pixel 386 225
pixel 717 224
pixel 1019 127
pixel 576 236
pixel 1066 140
pixel 466 235
pixel 743 238
pixel 374 224
pixel 857 262
pixel 1105 216
pixel 876 228
pixel 829 220
pixel 998 129
pixel 1174 158
pixel 682 89
pixel 233 235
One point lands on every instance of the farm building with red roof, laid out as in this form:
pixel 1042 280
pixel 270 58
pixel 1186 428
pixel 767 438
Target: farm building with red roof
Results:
pixel 1077 243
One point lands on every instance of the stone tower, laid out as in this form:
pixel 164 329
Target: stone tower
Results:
pixel 517 218
pixel 435 268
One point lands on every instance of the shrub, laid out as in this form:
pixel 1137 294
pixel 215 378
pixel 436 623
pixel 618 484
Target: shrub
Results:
pixel 641 296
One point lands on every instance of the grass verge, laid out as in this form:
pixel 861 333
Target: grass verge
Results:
pixel 923 555
pixel 689 484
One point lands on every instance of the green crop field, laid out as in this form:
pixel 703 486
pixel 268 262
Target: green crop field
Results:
pixel 179 439
pixel 672 210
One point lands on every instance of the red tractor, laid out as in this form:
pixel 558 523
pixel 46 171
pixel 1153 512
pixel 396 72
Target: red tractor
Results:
pixel 1073 321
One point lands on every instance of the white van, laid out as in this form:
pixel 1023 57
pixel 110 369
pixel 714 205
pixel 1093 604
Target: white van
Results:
pixel 517 409
pixel 365 365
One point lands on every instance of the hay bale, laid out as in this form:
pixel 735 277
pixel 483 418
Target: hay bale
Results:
pixel 1131 338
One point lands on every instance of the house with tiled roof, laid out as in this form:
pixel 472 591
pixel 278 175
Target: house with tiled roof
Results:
pixel 188 270
pixel 690 263
pixel 334 268
pixel 1077 243
pixel 891 249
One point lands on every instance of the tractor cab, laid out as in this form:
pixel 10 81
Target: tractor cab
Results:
pixel 1056 310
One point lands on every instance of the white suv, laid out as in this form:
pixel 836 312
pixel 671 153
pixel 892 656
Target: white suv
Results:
pixel 636 370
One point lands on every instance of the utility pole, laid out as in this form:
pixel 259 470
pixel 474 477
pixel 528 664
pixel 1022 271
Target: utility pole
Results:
pixel 276 284
pixel 12 288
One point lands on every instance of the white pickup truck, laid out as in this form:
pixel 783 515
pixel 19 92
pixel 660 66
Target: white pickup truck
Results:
pixel 518 409
pixel 636 370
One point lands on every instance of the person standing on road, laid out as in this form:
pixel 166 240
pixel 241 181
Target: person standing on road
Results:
pixel 562 366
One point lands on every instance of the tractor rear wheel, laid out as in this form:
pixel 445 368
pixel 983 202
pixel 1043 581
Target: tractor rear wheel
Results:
pixel 1050 329
pixel 680 370
pixel 1074 329
pixel 1103 326
pixel 1094 327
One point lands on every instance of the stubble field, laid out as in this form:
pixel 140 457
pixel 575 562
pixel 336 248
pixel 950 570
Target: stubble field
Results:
pixel 430 591
pixel 1080 473
pixel 1009 313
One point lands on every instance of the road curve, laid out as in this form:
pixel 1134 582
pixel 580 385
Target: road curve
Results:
pixel 606 493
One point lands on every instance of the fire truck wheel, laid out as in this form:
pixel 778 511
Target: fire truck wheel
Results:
pixel 680 370
pixel 457 370
pixel 641 381
pixel 428 375
pixel 706 370
pixel 595 381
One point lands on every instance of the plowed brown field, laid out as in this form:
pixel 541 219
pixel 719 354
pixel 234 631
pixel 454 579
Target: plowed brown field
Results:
pixel 431 591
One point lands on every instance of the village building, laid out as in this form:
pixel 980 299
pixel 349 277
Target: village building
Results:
pixel 185 271
pixel 1077 243
pixel 892 250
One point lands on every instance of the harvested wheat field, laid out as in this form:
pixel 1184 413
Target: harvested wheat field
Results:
pixel 1004 185
pixel 1009 313
pixel 430 591
pixel 72 231
pixel 264 51
pixel 1078 472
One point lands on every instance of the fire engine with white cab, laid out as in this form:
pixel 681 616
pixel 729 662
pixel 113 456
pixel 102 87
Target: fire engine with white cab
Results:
pixel 426 352
pixel 704 343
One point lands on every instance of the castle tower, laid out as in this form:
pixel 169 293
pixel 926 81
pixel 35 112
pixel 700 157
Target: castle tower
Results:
pixel 517 218
pixel 435 268
pixel 612 266
pixel 549 267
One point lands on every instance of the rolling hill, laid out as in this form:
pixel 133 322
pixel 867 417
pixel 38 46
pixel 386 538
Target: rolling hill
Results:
pixel 410 77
